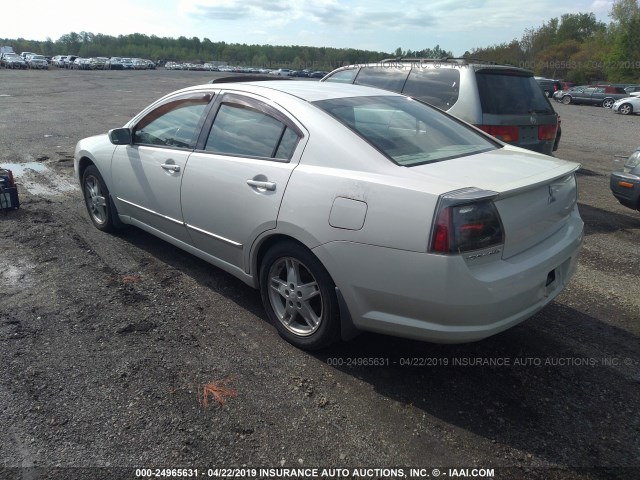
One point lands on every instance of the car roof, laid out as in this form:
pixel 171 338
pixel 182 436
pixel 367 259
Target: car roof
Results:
pixel 302 89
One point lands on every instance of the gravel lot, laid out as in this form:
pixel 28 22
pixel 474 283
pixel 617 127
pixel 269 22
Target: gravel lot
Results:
pixel 107 341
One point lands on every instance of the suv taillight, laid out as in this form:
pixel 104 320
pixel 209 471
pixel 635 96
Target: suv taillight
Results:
pixel 466 220
pixel 506 133
pixel 547 132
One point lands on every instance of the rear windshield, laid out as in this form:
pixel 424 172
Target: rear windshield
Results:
pixel 407 131
pixel 510 93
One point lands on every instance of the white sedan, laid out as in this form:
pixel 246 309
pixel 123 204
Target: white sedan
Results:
pixel 350 208
pixel 627 106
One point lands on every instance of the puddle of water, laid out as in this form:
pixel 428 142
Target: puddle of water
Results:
pixel 52 184
pixel 19 168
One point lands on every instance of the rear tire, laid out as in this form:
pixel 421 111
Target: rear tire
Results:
pixel 299 296
pixel 566 99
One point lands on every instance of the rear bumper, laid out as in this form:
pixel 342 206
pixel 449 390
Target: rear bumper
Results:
pixel 443 299
pixel 626 188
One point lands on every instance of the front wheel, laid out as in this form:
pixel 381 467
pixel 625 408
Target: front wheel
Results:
pixel 299 296
pixel 625 109
pixel 96 198
pixel 607 102
pixel 566 99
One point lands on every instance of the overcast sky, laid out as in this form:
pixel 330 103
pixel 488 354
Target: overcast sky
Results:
pixel 364 24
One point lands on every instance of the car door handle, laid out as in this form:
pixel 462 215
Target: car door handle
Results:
pixel 171 167
pixel 261 185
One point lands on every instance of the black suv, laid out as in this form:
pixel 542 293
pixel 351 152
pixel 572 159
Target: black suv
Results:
pixel 548 86
pixel 502 100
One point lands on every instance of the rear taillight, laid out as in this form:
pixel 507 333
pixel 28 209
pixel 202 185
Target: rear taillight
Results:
pixel 506 133
pixel 466 220
pixel 547 132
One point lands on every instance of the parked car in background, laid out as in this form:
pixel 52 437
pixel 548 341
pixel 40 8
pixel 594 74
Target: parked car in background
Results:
pixel 3 57
pixel 627 106
pixel 632 89
pixel 98 63
pixel 603 96
pixel 557 96
pixel 127 64
pixel 14 61
pixel 548 86
pixel 114 63
pixel 281 72
pixel 502 100
pixel 139 64
pixel 295 186
pixel 38 62
pixel 318 74
pixel 81 63
pixel 625 183
pixel 69 60
pixel 57 60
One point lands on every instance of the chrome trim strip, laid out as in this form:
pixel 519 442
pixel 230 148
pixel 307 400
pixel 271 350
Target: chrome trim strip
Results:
pixel 213 235
pixel 150 211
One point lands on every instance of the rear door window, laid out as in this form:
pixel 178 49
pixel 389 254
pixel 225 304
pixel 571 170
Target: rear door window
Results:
pixel 504 92
pixel 247 129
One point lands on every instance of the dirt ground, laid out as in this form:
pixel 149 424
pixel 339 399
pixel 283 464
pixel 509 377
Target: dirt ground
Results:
pixel 120 352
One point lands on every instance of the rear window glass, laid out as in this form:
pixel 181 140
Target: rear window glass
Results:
pixel 437 87
pixel 503 93
pixel 387 78
pixel 406 131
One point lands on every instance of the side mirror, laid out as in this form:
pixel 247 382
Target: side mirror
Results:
pixel 120 136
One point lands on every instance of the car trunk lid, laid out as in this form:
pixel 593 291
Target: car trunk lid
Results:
pixel 536 193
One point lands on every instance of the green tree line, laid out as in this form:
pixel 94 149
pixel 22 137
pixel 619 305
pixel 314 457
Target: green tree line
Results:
pixel 183 49
pixel 577 47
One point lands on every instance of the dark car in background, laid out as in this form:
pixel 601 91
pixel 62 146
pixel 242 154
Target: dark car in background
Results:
pixel 601 95
pixel 549 86
pixel 625 183
pixel 502 100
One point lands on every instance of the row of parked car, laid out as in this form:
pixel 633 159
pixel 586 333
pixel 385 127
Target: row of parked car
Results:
pixel 210 67
pixel 25 60
pixel 623 100
pixel 102 63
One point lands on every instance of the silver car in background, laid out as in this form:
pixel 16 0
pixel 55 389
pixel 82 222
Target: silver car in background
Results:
pixel 502 100
pixel 38 62
pixel 350 208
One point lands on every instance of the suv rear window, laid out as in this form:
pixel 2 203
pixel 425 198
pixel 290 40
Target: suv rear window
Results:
pixel 510 93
